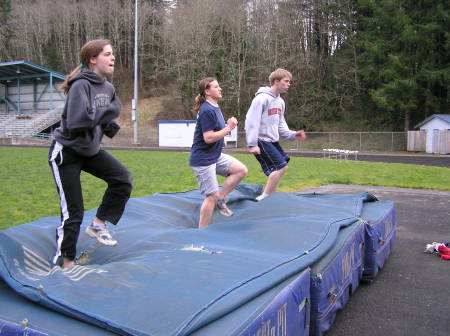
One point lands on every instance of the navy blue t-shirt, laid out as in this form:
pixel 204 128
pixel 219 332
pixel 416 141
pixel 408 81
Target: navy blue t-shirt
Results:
pixel 209 118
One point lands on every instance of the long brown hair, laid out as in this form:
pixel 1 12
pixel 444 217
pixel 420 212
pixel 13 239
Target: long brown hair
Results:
pixel 91 49
pixel 203 85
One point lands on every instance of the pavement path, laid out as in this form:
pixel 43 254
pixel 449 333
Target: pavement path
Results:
pixel 418 159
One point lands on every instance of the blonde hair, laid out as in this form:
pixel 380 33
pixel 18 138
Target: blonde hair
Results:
pixel 203 85
pixel 91 49
pixel 279 74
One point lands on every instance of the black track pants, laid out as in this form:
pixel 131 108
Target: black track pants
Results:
pixel 66 167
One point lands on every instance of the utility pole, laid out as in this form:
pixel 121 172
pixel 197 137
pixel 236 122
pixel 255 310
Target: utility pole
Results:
pixel 134 102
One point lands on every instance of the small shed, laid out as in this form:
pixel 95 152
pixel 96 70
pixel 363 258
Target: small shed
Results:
pixel 437 128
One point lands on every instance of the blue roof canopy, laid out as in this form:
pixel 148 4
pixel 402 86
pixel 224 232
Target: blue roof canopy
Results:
pixel 26 72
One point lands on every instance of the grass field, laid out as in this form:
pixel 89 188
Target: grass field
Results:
pixel 28 191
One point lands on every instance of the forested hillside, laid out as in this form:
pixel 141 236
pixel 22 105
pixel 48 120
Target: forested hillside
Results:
pixel 378 65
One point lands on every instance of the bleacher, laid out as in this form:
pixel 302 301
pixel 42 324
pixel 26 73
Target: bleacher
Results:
pixel 31 100
pixel 28 125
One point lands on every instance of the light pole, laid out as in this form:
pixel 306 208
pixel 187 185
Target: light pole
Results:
pixel 134 112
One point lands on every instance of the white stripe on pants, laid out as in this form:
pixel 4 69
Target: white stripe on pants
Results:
pixel 57 151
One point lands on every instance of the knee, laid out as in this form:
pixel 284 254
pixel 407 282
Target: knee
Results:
pixel 210 200
pixel 128 182
pixel 282 170
pixel 125 183
pixel 128 187
pixel 243 171
pixel 213 197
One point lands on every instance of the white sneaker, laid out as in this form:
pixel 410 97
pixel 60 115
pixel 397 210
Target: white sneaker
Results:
pixel 101 233
pixel 221 205
pixel 261 197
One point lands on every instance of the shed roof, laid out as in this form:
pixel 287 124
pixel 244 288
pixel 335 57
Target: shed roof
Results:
pixel 25 71
pixel 443 117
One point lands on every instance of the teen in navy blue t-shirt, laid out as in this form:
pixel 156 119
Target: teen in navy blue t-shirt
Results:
pixel 207 159
pixel 209 118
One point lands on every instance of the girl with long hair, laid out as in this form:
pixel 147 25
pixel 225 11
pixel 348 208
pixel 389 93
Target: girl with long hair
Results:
pixel 89 112
pixel 206 158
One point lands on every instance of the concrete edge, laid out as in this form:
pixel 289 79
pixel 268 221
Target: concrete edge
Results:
pixel 363 188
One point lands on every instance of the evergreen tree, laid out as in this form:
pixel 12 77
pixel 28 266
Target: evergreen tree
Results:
pixel 403 59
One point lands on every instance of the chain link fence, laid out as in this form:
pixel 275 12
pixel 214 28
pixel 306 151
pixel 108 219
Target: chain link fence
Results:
pixel 360 141
pixel 315 141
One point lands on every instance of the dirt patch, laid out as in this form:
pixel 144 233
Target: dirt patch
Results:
pixel 147 110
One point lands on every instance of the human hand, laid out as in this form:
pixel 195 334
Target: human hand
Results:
pixel 111 129
pixel 300 135
pixel 254 150
pixel 232 123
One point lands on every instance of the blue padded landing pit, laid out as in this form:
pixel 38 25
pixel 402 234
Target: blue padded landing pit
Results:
pixel 242 275
pixel 381 227
pixel 20 316
pixel 335 277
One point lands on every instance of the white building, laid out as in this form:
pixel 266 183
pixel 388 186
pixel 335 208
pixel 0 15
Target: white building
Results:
pixel 180 133
pixel 437 128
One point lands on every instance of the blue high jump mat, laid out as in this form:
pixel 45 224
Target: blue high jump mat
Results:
pixel 335 277
pixel 20 316
pixel 284 308
pixel 165 277
pixel 380 235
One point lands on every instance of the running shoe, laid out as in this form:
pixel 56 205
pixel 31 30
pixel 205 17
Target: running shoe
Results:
pixel 221 205
pixel 101 233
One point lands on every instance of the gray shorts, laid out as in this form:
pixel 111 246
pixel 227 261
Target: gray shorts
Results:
pixel 207 175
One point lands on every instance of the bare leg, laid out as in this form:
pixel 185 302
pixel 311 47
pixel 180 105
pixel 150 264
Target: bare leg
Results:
pixel 98 221
pixel 67 263
pixel 206 210
pixel 237 172
pixel 273 180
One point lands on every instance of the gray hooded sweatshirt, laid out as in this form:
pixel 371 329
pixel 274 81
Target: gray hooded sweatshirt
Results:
pixel 90 107
pixel 265 118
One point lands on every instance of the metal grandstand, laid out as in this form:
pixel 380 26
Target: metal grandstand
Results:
pixel 30 98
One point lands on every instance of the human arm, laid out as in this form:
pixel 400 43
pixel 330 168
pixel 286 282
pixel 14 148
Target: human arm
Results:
pixel 252 124
pixel 283 128
pixel 291 135
pixel 81 116
pixel 213 136
pixel 300 135
pixel 285 132
pixel 110 129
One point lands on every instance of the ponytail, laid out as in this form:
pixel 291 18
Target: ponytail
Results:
pixel 65 86
pixel 200 98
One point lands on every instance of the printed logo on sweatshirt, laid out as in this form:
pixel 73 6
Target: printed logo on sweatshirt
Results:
pixel 273 111
pixel 101 100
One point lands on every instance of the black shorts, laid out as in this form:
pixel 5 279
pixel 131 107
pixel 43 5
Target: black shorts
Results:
pixel 272 157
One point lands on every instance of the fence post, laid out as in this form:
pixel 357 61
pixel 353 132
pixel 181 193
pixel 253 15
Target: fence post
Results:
pixel 392 141
pixel 360 141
